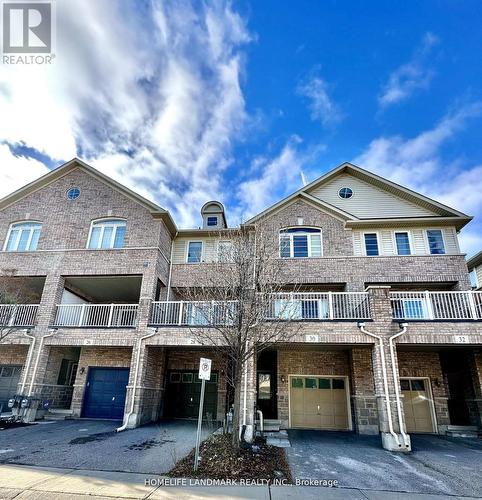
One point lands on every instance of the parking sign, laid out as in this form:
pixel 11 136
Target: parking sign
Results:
pixel 204 369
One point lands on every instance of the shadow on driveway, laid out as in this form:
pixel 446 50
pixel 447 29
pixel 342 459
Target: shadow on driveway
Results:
pixel 95 445
pixel 436 465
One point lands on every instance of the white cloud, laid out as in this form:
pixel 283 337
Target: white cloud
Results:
pixel 321 105
pixel 418 164
pixel 16 171
pixel 149 93
pixel 411 76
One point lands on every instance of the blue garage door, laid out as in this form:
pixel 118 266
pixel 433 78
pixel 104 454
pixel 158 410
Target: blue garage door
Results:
pixel 105 394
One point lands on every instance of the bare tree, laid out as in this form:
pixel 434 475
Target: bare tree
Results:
pixel 243 304
pixel 13 292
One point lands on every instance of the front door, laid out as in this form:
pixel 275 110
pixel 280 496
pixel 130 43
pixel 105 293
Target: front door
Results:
pixel 417 405
pixel 266 401
pixel 105 393
pixel 9 378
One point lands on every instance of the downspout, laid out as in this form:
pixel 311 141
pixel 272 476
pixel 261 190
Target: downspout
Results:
pixel 170 272
pixel 385 382
pixel 401 422
pixel 29 359
pixel 30 390
pixel 123 427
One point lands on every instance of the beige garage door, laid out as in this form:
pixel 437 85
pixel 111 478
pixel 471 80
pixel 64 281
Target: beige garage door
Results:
pixel 417 405
pixel 318 403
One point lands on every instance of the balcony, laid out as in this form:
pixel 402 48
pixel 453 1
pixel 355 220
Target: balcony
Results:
pixel 432 306
pixel 96 315
pixel 334 306
pixel 18 315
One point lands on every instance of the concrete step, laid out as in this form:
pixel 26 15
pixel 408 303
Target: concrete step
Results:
pixel 279 439
pixel 461 427
pixel 269 425
pixel 462 431
pixel 58 414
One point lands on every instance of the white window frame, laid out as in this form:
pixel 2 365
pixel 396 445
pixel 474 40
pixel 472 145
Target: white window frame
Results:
pixel 218 253
pixel 365 246
pixel 428 244
pixel 201 258
pixel 212 217
pixel 103 223
pixel 291 235
pixel 410 244
pixel 29 241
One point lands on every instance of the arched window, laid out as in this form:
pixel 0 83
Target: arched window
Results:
pixel 107 233
pixel 23 236
pixel 300 242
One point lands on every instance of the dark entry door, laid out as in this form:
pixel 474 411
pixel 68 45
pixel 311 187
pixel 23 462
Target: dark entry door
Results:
pixel 105 394
pixel 266 401
pixel 183 392
pixel 9 378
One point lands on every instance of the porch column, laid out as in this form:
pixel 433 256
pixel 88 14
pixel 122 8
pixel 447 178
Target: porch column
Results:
pixel 383 371
pixel 248 398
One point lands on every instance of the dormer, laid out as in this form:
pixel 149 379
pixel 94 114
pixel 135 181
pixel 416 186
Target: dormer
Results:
pixel 213 216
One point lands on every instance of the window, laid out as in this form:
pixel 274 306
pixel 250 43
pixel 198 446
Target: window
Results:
pixel 371 244
pixel 310 383
pixel 345 193
pixel 212 221
pixel 403 243
pixel 73 193
pixel 23 237
pixel 338 383
pixel 473 279
pixel 225 251
pixel 194 252
pixel 435 241
pixel 324 383
pixel 297 383
pixel 107 233
pixel 300 242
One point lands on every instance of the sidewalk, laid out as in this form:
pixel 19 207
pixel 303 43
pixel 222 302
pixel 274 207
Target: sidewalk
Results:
pixel 44 483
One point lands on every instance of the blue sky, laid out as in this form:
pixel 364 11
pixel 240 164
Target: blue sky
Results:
pixel 189 101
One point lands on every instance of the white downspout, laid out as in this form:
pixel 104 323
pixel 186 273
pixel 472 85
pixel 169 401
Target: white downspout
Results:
pixel 401 422
pixel 123 427
pixel 30 390
pixel 29 359
pixel 170 272
pixel 385 381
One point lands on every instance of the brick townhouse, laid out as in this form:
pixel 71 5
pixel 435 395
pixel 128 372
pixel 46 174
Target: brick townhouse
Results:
pixel 391 333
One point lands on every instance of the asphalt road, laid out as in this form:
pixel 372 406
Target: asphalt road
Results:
pixel 90 444
pixel 437 465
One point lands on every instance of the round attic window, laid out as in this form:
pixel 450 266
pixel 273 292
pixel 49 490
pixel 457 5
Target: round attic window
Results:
pixel 345 193
pixel 73 193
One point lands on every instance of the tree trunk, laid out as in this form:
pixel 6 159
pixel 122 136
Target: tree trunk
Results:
pixel 237 411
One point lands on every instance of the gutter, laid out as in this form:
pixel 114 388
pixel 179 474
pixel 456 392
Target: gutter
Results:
pixel 385 382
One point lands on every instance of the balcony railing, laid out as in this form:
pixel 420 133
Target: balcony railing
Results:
pixel 285 306
pixel 18 315
pixel 96 315
pixel 465 305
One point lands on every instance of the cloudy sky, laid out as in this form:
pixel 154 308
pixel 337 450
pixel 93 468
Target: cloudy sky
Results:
pixel 190 101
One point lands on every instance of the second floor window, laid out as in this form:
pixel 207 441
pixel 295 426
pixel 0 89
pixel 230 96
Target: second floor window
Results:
pixel 403 243
pixel 435 241
pixel 23 237
pixel 212 221
pixel 194 252
pixel 300 242
pixel 371 244
pixel 107 233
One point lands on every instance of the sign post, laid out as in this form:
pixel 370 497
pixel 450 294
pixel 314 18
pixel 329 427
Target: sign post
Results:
pixel 204 374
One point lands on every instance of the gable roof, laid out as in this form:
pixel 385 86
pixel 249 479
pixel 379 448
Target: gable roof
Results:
pixel 442 211
pixel 475 261
pixel 155 210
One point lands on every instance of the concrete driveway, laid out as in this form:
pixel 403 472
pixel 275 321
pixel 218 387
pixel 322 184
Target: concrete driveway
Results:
pixel 94 444
pixel 436 465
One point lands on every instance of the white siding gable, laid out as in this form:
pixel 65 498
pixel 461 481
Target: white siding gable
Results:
pixel 368 201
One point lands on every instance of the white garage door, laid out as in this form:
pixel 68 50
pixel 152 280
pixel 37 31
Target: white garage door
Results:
pixel 319 402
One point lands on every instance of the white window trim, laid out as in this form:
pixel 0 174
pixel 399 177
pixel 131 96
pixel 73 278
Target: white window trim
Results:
pixel 427 245
pixel 187 251
pixel 280 234
pixel 410 243
pixel 99 222
pixel 365 246
pixel 18 223
pixel 212 217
